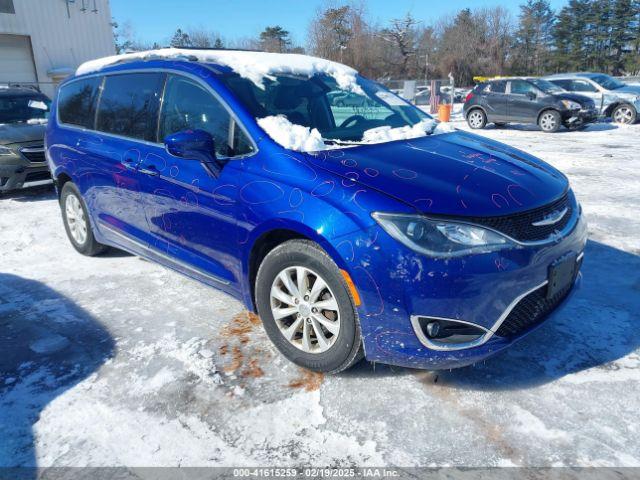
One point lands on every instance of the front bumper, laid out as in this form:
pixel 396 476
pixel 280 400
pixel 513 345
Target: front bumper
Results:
pixel 396 284
pixel 26 166
pixel 580 117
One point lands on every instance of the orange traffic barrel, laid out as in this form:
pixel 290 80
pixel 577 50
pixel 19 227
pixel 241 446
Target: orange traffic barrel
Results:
pixel 444 112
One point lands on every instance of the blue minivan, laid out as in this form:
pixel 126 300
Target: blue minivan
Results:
pixel 365 230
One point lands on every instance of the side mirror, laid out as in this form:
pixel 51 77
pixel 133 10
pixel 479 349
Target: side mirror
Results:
pixel 532 95
pixel 191 145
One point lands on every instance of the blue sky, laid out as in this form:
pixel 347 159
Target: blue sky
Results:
pixel 156 20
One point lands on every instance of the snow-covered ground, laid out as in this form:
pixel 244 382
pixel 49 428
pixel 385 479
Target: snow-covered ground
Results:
pixel 116 361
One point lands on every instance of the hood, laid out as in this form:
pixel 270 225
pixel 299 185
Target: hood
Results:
pixel 21 132
pixel 450 174
pixel 628 90
pixel 581 99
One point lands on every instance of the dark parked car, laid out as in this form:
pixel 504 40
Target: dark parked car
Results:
pixel 23 115
pixel 527 100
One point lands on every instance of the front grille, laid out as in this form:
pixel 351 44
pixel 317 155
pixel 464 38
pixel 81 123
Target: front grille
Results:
pixel 34 154
pixel 37 176
pixel 519 226
pixel 533 309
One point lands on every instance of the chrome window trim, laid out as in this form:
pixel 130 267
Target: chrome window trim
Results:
pixel 153 251
pixel 191 76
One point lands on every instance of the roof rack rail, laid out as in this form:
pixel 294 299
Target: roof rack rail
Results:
pixel 28 86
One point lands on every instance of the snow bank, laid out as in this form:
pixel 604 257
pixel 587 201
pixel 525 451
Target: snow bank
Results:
pixel 255 66
pixel 292 136
pixel 388 134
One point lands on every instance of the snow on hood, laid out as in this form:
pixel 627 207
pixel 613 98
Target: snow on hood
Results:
pixel 303 139
pixel 254 66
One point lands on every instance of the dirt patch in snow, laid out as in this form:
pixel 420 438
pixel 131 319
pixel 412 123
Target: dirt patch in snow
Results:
pixel 308 380
pixel 243 357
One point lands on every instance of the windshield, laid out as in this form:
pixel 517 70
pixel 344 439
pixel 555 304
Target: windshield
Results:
pixel 24 108
pixel 320 103
pixel 545 86
pixel 605 81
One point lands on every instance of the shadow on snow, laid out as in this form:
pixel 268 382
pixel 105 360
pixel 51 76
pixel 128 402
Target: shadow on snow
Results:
pixel 48 345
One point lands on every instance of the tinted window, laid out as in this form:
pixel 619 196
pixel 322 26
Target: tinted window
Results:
pixel 23 108
pixel 129 105
pixel 497 87
pixel 582 86
pixel 77 102
pixel 566 84
pixel 521 87
pixel 189 106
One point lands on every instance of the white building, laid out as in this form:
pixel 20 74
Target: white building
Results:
pixel 43 41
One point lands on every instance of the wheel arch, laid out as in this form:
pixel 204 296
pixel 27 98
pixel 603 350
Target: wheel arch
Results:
pixel 269 236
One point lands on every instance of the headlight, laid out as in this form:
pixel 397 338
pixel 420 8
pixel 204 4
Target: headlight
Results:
pixel 441 238
pixel 6 151
pixel 570 105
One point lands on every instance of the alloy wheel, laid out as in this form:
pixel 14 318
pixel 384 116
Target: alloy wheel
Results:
pixel 305 309
pixel 623 115
pixel 548 121
pixel 75 219
pixel 476 119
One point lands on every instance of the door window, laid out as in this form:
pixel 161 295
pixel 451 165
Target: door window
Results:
pixel 129 105
pixel 497 87
pixel 520 87
pixel 77 102
pixel 582 86
pixel 189 106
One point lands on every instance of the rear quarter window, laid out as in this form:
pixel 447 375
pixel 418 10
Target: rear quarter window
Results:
pixel 129 105
pixel 77 102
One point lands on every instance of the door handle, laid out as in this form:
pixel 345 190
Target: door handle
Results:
pixel 151 170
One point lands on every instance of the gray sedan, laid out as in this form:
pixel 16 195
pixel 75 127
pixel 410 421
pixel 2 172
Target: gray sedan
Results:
pixel 612 97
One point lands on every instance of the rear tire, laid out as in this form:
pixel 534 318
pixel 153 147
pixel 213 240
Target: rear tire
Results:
pixel 311 287
pixel 76 221
pixel 624 114
pixel 550 121
pixel 476 119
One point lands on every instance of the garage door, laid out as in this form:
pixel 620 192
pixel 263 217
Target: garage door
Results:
pixel 16 59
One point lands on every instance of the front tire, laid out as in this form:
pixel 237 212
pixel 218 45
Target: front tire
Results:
pixel 76 221
pixel 306 308
pixel 476 119
pixel 624 114
pixel 550 121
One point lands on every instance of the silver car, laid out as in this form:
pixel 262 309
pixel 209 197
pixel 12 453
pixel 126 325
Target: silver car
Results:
pixel 612 97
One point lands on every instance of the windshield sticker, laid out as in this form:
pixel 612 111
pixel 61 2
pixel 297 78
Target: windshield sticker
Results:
pixel 391 99
pixel 39 104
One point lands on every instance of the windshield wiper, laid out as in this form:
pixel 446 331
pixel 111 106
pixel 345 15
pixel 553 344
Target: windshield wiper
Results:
pixel 332 141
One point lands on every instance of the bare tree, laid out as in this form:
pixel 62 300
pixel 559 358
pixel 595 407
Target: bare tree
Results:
pixel 402 35
pixel 204 38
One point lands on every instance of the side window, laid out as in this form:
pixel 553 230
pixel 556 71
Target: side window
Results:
pixel 520 87
pixel 77 102
pixel 497 87
pixel 188 105
pixel 129 105
pixel 566 84
pixel 582 86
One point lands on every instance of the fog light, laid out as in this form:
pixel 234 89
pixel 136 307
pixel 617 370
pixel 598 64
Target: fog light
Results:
pixel 433 328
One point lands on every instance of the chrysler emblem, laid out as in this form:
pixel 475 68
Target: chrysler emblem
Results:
pixel 551 218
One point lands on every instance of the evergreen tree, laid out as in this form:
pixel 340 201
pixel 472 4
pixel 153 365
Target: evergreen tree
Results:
pixel 534 37
pixel 218 43
pixel 275 39
pixel 623 32
pixel 180 39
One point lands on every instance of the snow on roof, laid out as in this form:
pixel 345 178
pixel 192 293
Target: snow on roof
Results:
pixel 303 139
pixel 255 66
